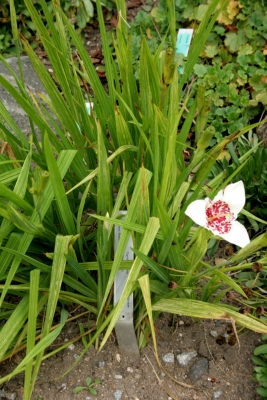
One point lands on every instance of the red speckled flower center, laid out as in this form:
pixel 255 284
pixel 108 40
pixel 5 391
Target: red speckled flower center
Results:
pixel 219 217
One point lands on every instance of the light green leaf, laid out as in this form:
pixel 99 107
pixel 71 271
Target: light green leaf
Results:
pixel 211 51
pixel 199 309
pixel 200 70
pixel 200 12
pixel 89 8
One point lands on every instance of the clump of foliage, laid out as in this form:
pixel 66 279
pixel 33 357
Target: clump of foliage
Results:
pixel 255 285
pixel 232 65
pixel 255 282
pixel 260 370
pixel 61 190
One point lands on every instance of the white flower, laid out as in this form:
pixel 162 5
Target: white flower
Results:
pixel 219 215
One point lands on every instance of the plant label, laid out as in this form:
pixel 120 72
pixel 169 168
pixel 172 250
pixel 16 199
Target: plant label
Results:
pixel 183 42
pixel 124 327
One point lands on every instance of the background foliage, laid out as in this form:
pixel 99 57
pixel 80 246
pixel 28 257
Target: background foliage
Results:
pixel 232 66
pixel 79 12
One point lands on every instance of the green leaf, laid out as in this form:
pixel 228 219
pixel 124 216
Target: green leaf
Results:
pixel 82 274
pixel 199 309
pixel 200 12
pixel 32 320
pixel 93 391
pixel 88 381
pixel 200 70
pixel 62 203
pixel 211 51
pixel 245 49
pixel 89 8
pixel 260 350
pixel 43 343
pixel 259 361
pixel 158 270
pixel 231 41
pixel 262 97
pixel 23 223
pixel 262 391
pixel 79 389
pixel 146 292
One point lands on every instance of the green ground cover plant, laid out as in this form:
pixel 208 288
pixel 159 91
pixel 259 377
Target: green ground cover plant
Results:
pixel 232 65
pixel 260 370
pixel 255 283
pixel 80 169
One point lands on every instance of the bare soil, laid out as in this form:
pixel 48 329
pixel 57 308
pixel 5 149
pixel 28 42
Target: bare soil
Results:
pixel 228 375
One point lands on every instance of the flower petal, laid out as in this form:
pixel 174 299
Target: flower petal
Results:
pixel 234 195
pixel 219 196
pixel 197 211
pixel 238 235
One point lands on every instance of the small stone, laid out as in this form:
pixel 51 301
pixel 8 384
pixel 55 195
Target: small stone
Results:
pixel 169 358
pixel 217 394
pixel 203 349
pixel 214 333
pixel 88 398
pixel 198 369
pixel 76 356
pixel 71 347
pixel 11 396
pixel 118 394
pixel 2 394
pixel 101 364
pixel 129 369
pixel 218 323
pixel 184 358
pixel 118 376
pixel 118 357
pixel 181 322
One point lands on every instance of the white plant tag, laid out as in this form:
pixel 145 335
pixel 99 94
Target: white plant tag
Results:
pixel 183 42
pixel 124 327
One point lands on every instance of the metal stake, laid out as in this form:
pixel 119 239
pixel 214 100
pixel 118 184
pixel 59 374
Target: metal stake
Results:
pixel 124 327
